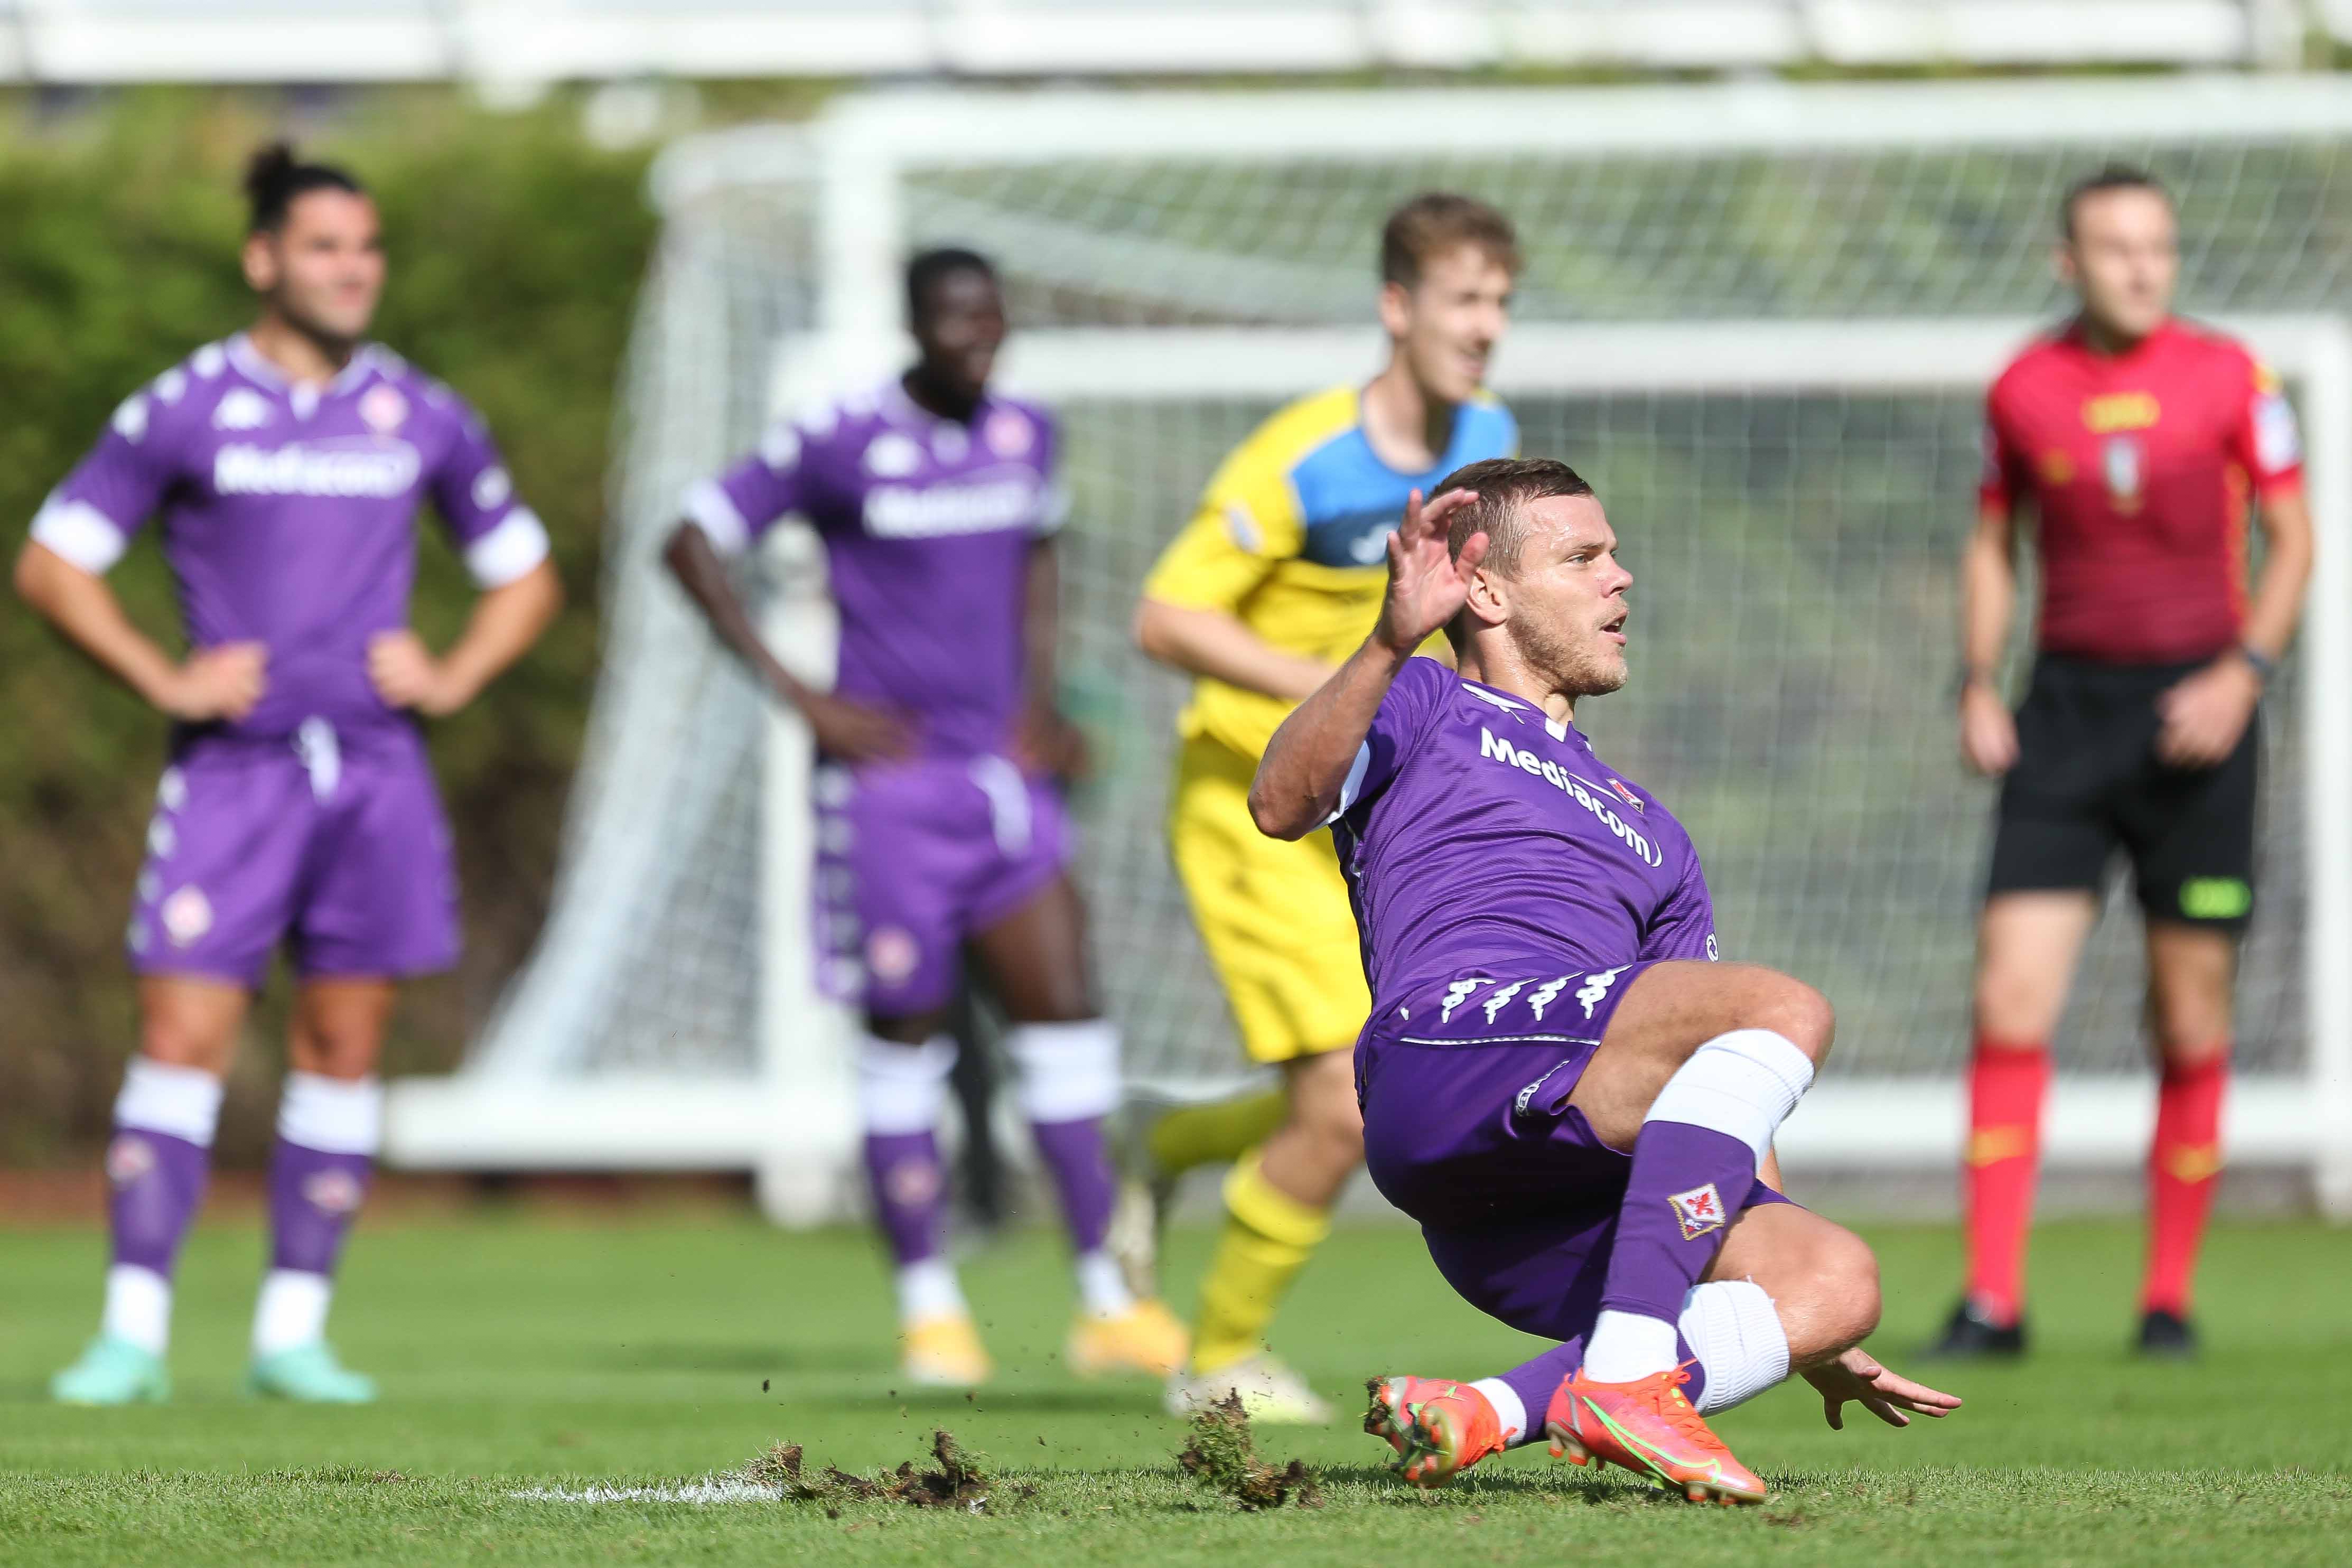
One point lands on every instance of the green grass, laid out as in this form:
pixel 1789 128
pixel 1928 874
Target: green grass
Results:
pixel 522 1353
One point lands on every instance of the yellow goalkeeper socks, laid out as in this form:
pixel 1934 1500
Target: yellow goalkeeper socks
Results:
pixel 1268 1237
pixel 1209 1134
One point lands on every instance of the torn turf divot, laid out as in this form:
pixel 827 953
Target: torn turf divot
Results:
pixel 1224 1455
pixel 957 1482
pixel 779 1476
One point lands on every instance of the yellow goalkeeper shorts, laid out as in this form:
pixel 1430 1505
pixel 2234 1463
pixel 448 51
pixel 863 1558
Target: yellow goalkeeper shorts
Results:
pixel 1274 916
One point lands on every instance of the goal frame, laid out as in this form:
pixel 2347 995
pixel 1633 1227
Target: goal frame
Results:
pixel 792 1125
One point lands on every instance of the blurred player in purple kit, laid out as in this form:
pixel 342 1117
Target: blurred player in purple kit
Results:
pixel 1558 1081
pixel 940 828
pixel 298 807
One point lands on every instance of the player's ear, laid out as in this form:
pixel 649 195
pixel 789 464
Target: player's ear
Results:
pixel 2062 263
pixel 1488 602
pixel 259 261
pixel 1396 308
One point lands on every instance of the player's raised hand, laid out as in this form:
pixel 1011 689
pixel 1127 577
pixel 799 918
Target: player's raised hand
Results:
pixel 220 682
pixel 1427 584
pixel 1858 1377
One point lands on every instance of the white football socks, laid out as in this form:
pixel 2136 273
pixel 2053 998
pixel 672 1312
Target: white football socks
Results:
pixel 928 1289
pixel 1742 1084
pixel 1735 1333
pixel 180 1103
pixel 1511 1410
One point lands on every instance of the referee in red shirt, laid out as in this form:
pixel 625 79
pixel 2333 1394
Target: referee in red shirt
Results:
pixel 2139 443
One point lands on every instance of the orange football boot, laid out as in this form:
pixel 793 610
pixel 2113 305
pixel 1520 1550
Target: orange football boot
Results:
pixel 1438 1427
pixel 1648 1428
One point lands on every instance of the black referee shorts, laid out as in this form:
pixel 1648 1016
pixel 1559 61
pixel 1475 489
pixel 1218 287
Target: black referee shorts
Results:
pixel 2087 783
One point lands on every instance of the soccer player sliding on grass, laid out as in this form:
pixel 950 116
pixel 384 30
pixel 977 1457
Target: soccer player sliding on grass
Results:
pixel 1559 1080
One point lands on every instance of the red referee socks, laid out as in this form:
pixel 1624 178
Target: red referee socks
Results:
pixel 2182 1166
pixel 2007 1085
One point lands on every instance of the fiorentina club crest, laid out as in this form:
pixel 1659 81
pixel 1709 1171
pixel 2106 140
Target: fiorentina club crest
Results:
pixel 1008 434
pixel 1700 1210
pixel 382 409
pixel 332 1191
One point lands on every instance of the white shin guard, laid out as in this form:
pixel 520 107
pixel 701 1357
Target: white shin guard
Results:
pixel 1068 1071
pixel 1734 1330
pixel 902 1089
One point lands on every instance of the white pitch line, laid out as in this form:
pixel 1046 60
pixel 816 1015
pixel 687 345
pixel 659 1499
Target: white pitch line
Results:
pixel 711 1489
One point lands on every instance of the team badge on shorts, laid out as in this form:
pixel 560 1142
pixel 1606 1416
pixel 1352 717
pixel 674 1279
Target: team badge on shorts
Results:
pixel 1699 1211
pixel 891 954
pixel 187 915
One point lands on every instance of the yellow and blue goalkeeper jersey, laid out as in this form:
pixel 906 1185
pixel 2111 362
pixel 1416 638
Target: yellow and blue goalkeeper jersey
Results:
pixel 1291 537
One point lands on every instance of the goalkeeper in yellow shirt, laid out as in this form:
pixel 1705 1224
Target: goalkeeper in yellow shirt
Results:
pixel 1275 579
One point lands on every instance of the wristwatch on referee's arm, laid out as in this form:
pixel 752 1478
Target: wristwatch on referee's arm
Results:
pixel 1973 675
pixel 2263 666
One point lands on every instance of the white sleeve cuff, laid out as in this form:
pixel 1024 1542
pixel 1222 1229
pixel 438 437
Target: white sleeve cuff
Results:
pixel 1354 786
pixel 509 550
pixel 81 533
pixel 706 505
pixel 1052 511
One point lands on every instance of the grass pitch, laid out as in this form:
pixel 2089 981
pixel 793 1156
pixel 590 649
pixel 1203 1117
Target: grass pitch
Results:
pixel 566 1391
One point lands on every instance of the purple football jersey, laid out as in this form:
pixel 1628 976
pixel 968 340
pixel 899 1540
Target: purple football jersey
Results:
pixel 1474 832
pixel 288 512
pixel 927 525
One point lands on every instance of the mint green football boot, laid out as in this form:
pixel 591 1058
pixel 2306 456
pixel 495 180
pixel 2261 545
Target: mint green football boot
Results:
pixel 113 1371
pixel 309 1375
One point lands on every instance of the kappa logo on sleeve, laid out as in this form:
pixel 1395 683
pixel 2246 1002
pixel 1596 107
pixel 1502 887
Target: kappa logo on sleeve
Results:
pixel 1698 1210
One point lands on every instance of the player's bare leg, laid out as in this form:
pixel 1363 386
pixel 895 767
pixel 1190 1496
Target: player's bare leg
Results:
pixel 1696 1069
pixel 2028 944
pixel 2191 971
pixel 157 1164
pixel 1277 1211
pixel 1068 1057
pixel 330 1130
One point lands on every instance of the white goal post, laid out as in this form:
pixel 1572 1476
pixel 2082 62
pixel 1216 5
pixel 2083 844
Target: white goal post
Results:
pixel 1851 423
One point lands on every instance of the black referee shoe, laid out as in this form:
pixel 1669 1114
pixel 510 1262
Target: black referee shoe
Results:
pixel 2167 1335
pixel 1972 1336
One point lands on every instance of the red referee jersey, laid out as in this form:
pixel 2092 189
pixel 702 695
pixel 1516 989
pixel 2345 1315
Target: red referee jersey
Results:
pixel 2140 467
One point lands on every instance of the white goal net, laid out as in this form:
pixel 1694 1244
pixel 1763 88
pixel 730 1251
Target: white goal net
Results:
pixel 1760 317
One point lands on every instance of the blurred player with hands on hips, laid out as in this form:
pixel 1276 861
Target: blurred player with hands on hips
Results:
pixel 940 826
pixel 2138 442
pixel 298 807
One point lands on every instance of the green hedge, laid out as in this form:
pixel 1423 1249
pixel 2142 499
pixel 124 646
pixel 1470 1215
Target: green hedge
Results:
pixel 516 253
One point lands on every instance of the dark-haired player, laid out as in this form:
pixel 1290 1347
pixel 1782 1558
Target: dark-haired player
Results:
pixel 936 500
pixel 2139 443
pixel 298 809
pixel 1558 1079
pixel 1268 586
